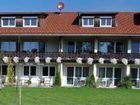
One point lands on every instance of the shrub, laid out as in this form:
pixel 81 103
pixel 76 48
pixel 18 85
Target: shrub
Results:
pixel 57 79
pixel 126 82
pixel 90 81
pixel 29 82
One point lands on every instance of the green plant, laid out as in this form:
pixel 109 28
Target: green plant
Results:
pixel 10 73
pixel 126 82
pixel 29 82
pixel 57 79
pixel 90 81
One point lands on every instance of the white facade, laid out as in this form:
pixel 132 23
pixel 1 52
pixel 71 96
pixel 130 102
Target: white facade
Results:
pixel 70 79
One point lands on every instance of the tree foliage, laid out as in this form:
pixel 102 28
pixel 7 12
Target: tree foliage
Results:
pixel 126 82
pixel 90 81
pixel 57 79
pixel 10 73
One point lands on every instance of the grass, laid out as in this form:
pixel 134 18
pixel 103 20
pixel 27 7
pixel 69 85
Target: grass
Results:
pixel 70 96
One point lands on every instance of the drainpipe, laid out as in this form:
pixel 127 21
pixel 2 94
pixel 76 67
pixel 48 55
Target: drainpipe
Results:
pixel 127 70
pixel 96 46
pixel 129 46
pixel 128 51
pixel 60 44
pixel 18 75
pixel 95 65
pixel 95 71
pixel 60 66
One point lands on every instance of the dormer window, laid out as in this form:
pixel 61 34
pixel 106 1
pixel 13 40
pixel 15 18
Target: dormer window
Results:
pixel 8 22
pixel 105 21
pixel 30 21
pixel 87 21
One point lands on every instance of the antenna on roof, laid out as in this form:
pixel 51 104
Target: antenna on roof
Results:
pixel 60 6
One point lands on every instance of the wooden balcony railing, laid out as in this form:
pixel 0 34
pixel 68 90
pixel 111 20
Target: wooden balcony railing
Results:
pixel 73 56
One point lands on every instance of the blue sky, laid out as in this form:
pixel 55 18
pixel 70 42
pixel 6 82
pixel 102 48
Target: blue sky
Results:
pixel 70 5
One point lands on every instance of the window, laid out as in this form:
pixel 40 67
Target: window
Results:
pixel 26 70
pixel 29 70
pixel 33 70
pixel 52 71
pixel 34 47
pixel 70 74
pixel 8 22
pixel 135 47
pixel 30 21
pixel 105 72
pixel 85 71
pixel 8 46
pixel 87 21
pixel 111 47
pixel 106 47
pixel 78 72
pixel 71 46
pixel 110 73
pixel 135 74
pixel 48 71
pixel 117 76
pixel 74 74
pixel 70 71
pixel 105 21
pixel 117 73
pixel 101 72
pixel 45 71
pixel 84 47
pixel 4 70
pixel 119 47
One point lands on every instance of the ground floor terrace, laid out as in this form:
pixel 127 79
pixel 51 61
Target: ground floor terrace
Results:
pixel 74 68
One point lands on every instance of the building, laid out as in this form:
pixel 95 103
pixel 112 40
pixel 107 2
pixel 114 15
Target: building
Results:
pixel 105 44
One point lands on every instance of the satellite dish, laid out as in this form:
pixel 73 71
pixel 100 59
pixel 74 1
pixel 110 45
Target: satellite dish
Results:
pixel 60 6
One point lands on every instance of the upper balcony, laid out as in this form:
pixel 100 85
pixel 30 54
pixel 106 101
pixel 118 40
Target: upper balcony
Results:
pixel 73 56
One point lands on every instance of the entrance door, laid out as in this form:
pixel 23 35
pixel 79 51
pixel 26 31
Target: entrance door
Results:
pixel 70 75
pixel 117 75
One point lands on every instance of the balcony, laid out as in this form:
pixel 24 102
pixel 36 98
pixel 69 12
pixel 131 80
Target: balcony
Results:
pixel 71 56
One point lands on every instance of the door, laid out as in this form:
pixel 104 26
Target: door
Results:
pixel 70 75
pixel 117 76
pixel 71 47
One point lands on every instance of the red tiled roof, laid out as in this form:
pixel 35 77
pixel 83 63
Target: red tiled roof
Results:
pixel 62 24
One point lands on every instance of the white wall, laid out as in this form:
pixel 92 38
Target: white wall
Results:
pixel 39 68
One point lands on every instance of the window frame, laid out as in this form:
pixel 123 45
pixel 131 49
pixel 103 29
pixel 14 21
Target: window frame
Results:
pixel 49 71
pixel 87 17
pixel 30 46
pixel 82 69
pixel 105 17
pixel 2 25
pixel 30 17
pixel 29 70
pixel 132 46
pixel 9 44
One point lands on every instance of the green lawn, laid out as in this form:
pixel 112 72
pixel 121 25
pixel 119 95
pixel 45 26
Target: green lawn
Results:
pixel 71 96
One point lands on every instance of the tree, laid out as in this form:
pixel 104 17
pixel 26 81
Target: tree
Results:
pixel 10 73
pixel 90 81
pixel 57 79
